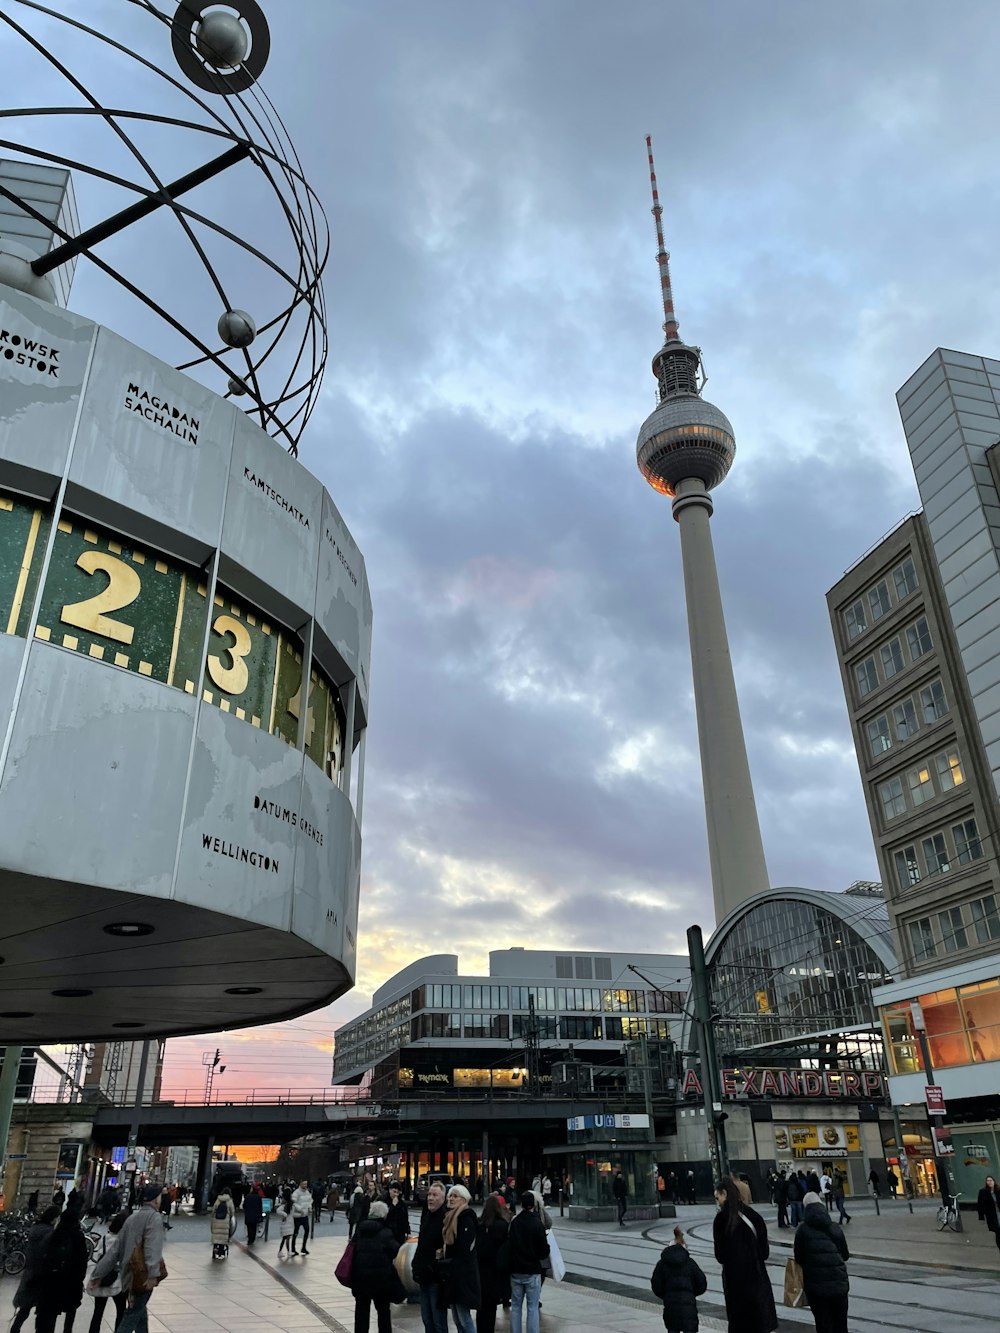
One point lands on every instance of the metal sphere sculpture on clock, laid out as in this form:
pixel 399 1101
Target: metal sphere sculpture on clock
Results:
pixel 255 324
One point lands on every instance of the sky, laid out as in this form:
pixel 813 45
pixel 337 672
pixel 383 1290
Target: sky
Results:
pixel 830 191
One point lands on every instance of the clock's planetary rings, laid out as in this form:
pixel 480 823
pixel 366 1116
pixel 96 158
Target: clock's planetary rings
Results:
pixel 211 80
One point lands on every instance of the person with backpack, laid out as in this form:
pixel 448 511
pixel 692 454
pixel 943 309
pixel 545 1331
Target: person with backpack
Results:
pixel 143 1232
pixel 222 1223
pixel 105 1281
pixel 61 1273
pixel 678 1282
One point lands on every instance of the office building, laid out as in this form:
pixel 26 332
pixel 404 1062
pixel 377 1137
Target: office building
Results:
pixel 917 627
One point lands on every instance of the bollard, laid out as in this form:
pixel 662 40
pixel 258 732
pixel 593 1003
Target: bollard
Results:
pixel 562 1199
pixel 878 1210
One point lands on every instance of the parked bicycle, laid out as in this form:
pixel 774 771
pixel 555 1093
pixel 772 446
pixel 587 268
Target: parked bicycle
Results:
pixel 947 1214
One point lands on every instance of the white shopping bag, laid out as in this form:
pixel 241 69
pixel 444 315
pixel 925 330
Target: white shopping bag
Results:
pixel 556 1259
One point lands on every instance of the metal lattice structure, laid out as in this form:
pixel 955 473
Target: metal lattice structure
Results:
pixel 276 358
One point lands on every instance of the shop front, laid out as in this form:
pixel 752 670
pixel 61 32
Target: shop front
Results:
pixel 598 1147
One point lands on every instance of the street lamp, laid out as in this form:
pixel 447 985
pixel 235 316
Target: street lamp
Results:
pixel 936 1119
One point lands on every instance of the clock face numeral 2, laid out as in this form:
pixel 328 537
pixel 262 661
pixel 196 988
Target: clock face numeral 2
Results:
pixel 124 586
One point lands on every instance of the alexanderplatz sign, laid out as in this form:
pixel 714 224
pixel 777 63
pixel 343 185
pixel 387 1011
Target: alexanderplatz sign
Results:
pixel 791 1084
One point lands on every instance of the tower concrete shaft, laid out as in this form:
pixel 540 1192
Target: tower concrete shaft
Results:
pixel 735 848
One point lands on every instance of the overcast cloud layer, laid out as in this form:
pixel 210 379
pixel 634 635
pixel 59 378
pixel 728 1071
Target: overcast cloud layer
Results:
pixel 830 188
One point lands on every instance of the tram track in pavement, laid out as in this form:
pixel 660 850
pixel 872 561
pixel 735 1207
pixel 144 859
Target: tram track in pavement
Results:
pixel 595 1261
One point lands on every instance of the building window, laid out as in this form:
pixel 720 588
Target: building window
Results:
pixel 584 969
pixel 922 939
pixel 967 843
pixel 952 927
pixel 932 701
pixel 936 854
pixel 891 796
pixel 907 868
pixel 579 1029
pixel 905 578
pixel 879 739
pixel 602 969
pixel 854 619
pixel 878 600
pixel 564 967
pixel 985 919
pixel 949 767
pixel 866 676
pixel 918 636
pixel 904 718
pixel 921 784
pixel 892 658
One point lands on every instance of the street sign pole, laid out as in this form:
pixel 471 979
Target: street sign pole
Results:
pixel 944 1179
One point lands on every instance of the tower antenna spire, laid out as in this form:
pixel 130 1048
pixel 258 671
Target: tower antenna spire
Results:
pixel 670 326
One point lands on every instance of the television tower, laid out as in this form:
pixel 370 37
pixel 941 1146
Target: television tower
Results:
pixel 684 449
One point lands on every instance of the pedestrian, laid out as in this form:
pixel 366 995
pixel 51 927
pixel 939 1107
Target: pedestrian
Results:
pixel 988 1206
pixel 741 1248
pixel 526 1248
pixel 826 1189
pixel 821 1249
pixel 61 1274
pixel 222 1224
pixel 107 1203
pixel 510 1194
pixel 26 1296
pixel 423 1265
pixel 59 1198
pixel 374 1280
pixel 318 1194
pixel 812 1184
pixel 33 1201
pixel 837 1196
pixel 286 1222
pixel 692 1188
pixel 678 1281
pixel 743 1186
pixel 105 1281
pixel 781 1199
pixel 794 1192
pixel 302 1203
pixel 620 1190
pixel 675 1197
pixel 358 1210
pixel 253 1213
pixel 893 1181
pixel 398 1220
pixel 144 1230
pixel 457 1260
pixel 494 1283
pixel 546 1189
pixel 661 1189
pixel 875 1183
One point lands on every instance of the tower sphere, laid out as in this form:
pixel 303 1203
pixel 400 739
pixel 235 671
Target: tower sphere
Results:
pixel 221 40
pixel 684 437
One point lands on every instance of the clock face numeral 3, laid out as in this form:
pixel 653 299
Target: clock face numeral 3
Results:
pixel 231 679
pixel 124 586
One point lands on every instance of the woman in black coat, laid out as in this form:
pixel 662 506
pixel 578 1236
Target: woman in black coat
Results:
pixel 26 1296
pixel 374 1280
pixel 989 1207
pixel 821 1249
pixel 494 1286
pixel 64 1266
pixel 459 1267
pixel 678 1281
pixel 741 1248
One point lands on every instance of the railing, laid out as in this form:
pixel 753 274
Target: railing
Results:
pixel 47 1094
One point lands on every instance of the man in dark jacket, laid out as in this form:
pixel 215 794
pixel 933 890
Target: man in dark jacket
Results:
pixel 795 1192
pixel 781 1199
pixel 527 1247
pixel 357 1212
pixel 424 1266
pixel 822 1251
pixel 620 1190
pixel 253 1212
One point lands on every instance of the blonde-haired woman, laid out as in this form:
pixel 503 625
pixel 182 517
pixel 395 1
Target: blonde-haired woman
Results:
pixel 457 1260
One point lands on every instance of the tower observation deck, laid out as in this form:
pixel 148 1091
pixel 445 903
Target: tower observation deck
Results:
pixel 685 448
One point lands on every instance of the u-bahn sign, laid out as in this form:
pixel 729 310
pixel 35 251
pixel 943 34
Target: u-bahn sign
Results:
pixel 789 1084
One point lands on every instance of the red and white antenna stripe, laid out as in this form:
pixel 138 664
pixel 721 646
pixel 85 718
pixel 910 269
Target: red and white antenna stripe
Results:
pixel 670 327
